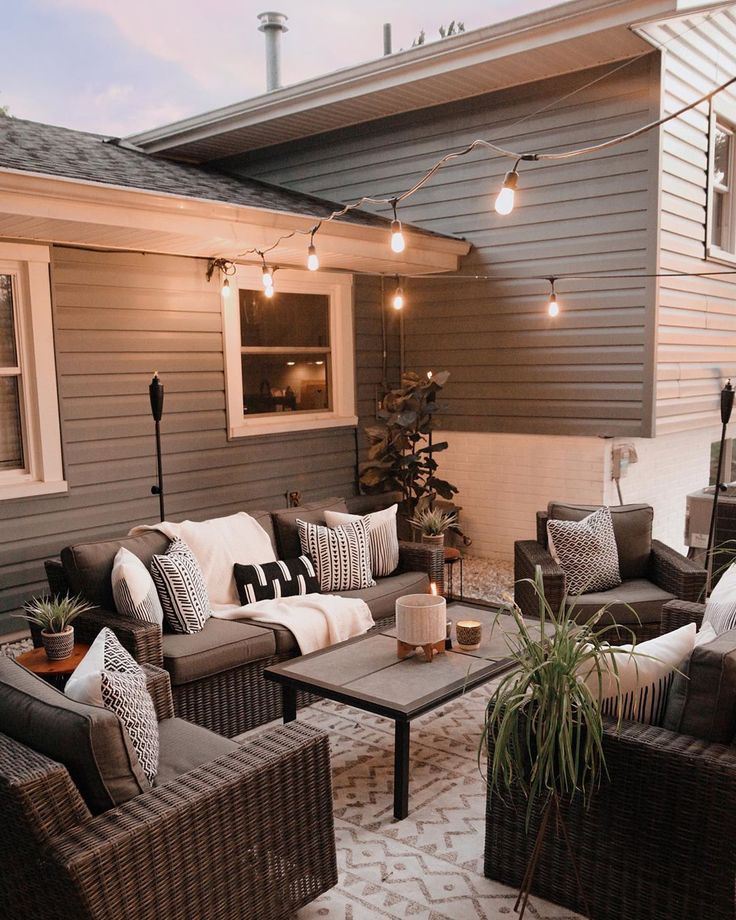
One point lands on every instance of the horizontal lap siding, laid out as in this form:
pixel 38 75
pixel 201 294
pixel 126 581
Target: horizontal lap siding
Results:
pixel 697 316
pixel 513 369
pixel 117 318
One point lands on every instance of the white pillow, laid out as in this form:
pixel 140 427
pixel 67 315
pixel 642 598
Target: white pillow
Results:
pixel 720 608
pixel 587 552
pixel 382 533
pixel 133 589
pixel 644 677
pixel 706 634
pixel 105 654
pixel 341 556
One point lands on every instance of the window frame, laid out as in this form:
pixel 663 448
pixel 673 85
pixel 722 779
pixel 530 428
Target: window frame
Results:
pixel 41 429
pixel 724 113
pixel 338 288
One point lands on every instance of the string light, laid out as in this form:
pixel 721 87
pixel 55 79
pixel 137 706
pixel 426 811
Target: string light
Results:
pixel 225 267
pixel 553 308
pixel 312 257
pixel 268 292
pixel 505 199
pixel 397 237
pixel 397 301
pixel 266 274
pixel 225 290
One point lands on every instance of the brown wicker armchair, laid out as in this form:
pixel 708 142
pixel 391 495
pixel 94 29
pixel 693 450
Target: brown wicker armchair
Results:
pixel 653 573
pixel 248 835
pixel 658 841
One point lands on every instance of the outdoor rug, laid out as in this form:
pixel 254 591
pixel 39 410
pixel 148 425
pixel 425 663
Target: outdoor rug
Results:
pixel 430 865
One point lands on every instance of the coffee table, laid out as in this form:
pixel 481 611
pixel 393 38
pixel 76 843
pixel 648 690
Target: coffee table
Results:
pixel 366 673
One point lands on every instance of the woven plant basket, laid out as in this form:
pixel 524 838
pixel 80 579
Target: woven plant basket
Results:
pixel 58 645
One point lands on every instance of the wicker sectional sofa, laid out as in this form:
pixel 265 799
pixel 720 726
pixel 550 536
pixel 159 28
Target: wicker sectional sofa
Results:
pixel 217 674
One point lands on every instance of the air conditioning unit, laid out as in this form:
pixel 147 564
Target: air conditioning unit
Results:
pixel 697 519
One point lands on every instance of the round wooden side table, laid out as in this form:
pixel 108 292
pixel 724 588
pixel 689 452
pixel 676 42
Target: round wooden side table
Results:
pixel 55 672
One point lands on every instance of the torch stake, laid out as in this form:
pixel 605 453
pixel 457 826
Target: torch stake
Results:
pixel 727 395
pixel 156 393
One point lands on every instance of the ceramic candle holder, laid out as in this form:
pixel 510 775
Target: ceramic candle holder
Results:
pixel 469 633
pixel 421 620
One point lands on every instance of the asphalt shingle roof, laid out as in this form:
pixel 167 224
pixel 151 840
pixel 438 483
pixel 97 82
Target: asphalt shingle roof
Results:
pixel 34 147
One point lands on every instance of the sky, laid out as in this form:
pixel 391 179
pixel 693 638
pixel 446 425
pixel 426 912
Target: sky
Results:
pixel 121 66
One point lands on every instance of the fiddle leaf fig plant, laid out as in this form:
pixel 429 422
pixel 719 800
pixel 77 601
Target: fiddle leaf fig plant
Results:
pixel 401 452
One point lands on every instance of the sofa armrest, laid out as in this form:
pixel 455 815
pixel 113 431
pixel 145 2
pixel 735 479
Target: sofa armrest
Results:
pixel 142 640
pixel 676 574
pixel 679 613
pixel 158 684
pixel 249 834
pixel 420 557
pixel 528 555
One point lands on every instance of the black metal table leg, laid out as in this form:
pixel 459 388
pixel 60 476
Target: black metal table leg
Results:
pixel 401 769
pixel 288 702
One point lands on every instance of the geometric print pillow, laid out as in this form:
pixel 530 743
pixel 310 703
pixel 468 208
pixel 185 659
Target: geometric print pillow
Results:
pixel 133 589
pixel 586 550
pixel 269 580
pixel 341 555
pixel 720 608
pixel 382 533
pixel 181 588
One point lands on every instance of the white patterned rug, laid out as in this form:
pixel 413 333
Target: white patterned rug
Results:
pixel 430 865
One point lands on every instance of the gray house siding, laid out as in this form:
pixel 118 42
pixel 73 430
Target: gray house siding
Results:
pixel 117 319
pixel 589 372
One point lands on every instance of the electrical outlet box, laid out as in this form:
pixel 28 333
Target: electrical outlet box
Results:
pixel 294 499
pixel 622 457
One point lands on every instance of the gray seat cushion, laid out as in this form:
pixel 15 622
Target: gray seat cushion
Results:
pixel 632 527
pixel 88 740
pixel 184 746
pixel 284 522
pixel 220 646
pixel 645 598
pixel 702 699
pixel 88 566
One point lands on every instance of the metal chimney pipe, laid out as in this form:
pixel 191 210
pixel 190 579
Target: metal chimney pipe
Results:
pixel 273 25
pixel 386 38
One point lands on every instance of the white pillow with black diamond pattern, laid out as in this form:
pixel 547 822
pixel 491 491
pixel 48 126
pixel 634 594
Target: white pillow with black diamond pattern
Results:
pixel 586 550
pixel 341 555
pixel 133 589
pixel 110 677
pixel 720 608
pixel 181 588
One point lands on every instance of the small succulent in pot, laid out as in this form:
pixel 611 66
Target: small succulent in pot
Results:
pixel 433 524
pixel 55 615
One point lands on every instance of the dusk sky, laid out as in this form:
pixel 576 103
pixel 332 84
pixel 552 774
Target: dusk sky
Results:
pixel 120 66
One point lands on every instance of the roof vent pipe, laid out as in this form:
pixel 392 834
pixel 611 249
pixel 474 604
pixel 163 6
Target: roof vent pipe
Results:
pixel 273 25
pixel 386 38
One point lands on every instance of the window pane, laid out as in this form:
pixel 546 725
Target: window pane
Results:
pixel 722 156
pixel 11 440
pixel 284 320
pixel 288 382
pixel 8 356
pixel 719 219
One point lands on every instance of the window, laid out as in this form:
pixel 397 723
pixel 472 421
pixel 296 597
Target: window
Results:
pixel 722 189
pixel 30 443
pixel 290 356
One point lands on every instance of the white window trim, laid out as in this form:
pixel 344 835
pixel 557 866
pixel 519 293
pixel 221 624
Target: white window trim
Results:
pixel 720 110
pixel 43 473
pixel 339 288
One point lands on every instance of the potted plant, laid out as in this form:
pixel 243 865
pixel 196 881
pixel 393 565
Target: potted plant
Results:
pixel 55 616
pixel 544 727
pixel 433 524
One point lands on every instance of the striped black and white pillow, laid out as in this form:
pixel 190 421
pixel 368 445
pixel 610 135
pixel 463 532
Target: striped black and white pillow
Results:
pixel 133 589
pixel 720 608
pixel 285 578
pixel 341 555
pixel 384 538
pixel 181 588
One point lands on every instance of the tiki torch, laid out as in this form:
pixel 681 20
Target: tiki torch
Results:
pixel 727 394
pixel 156 393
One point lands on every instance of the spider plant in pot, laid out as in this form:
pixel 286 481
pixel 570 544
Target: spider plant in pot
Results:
pixel 433 524
pixel 544 727
pixel 55 616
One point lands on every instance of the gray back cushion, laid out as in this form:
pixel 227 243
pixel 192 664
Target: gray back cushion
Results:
pixel 632 527
pixel 88 740
pixel 365 504
pixel 702 699
pixel 264 519
pixel 284 522
pixel 88 566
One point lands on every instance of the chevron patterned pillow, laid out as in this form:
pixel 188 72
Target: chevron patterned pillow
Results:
pixel 341 555
pixel 181 588
pixel 586 550
pixel 285 578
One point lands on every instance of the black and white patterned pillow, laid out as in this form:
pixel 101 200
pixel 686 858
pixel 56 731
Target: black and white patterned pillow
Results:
pixel 383 535
pixel 341 555
pixel 181 588
pixel 127 696
pixel 720 608
pixel 269 580
pixel 586 550
pixel 133 589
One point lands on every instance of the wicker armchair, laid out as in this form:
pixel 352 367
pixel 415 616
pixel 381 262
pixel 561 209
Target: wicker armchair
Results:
pixel 664 569
pixel 249 835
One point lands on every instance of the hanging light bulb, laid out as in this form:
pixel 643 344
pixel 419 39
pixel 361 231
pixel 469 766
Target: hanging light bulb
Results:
pixel 397 301
pixel 505 198
pixel 553 308
pixel 267 274
pixel 312 257
pixel 397 237
pixel 268 291
pixel 225 290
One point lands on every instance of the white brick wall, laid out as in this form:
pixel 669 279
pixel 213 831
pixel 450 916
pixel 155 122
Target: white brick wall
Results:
pixel 504 479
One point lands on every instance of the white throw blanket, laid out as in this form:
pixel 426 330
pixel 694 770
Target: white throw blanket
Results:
pixel 316 620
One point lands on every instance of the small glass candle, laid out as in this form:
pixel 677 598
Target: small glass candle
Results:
pixel 469 634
